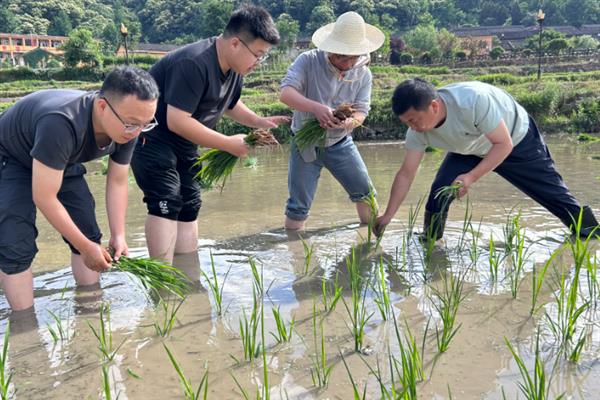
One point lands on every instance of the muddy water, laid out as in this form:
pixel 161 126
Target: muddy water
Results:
pixel 245 221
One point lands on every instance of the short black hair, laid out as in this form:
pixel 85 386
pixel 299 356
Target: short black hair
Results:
pixel 125 80
pixel 416 93
pixel 252 22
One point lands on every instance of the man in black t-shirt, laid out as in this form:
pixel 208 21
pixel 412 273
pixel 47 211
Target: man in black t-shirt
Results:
pixel 43 139
pixel 198 83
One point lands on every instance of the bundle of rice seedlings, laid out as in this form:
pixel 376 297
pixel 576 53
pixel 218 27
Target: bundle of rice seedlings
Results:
pixel 154 275
pixel 217 165
pixel 312 134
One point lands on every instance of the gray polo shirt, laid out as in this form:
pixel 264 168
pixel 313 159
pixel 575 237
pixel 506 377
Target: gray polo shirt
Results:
pixel 474 109
pixel 312 76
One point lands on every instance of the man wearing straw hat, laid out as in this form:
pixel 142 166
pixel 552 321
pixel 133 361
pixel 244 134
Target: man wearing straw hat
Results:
pixel 318 81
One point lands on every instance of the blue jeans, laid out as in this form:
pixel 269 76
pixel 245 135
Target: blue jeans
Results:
pixel 345 164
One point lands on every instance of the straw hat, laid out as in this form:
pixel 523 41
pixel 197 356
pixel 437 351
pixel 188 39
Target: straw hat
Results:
pixel 349 35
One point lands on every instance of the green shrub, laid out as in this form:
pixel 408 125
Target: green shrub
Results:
pixel 496 52
pixel 541 103
pixel 500 79
pixel 587 115
pixel 406 58
pixel 461 55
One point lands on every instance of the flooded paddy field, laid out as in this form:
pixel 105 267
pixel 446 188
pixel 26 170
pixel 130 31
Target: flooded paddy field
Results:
pixel 369 321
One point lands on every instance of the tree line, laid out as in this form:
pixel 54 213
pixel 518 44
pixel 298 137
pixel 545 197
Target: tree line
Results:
pixel 184 21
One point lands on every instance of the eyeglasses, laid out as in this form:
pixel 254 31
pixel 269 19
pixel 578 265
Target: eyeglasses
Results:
pixel 259 59
pixel 132 128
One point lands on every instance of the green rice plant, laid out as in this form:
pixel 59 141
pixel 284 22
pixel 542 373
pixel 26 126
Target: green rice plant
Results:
pixel 409 369
pixel 213 285
pixel 320 372
pixel 311 134
pixel 155 275
pixel 217 165
pixel 473 242
pixel 169 316
pixel 357 309
pixel 535 386
pixel 105 383
pixel 494 258
pixel 592 280
pixel 446 302
pixel 371 202
pixel 510 230
pixel 466 227
pixel 383 293
pixel 249 332
pixel 104 334
pixel 357 394
pixel 537 280
pixel 308 254
pixel 448 194
pixel 186 383
pixel 518 258
pixel 60 333
pixel 284 333
pixel 568 312
pixel 5 376
pixel 330 296
pixel 413 213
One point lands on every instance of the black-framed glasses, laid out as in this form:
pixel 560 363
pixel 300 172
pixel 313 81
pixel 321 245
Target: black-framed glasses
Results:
pixel 132 128
pixel 259 59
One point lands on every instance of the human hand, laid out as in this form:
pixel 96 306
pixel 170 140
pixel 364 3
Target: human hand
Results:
pixel 324 115
pixel 118 247
pixel 380 224
pixel 96 257
pixel 237 146
pixel 273 121
pixel 465 181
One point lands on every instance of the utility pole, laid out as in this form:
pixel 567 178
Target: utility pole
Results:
pixel 540 21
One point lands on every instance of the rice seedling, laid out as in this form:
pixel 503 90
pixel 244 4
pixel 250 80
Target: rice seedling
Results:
pixel 473 242
pixel 535 386
pixel 518 258
pixel 320 372
pixel 446 302
pixel 311 133
pixel 60 333
pixel 494 258
pixel 537 280
pixel 382 292
pixel 568 311
pixel 106 383
pixel 5 376
pixel 308 254
pixel 214 287
pixel 330 296
pixel 409 370
pixel 216 166
pixel 447 194
pixel 249 333
pixel 357 309
pixel 357 394
pixel 371 201
pixel 104 334
pixel 466 227
pixel 284 333
pixel 186 383
pixel 169 316
pixel 154 275
pixel 413 213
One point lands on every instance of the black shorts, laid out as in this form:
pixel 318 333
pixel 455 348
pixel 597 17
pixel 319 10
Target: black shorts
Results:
pixel 166 176
pixel 18 212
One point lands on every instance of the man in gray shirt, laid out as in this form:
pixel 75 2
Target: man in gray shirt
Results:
pixel 483 129
pixel 317 82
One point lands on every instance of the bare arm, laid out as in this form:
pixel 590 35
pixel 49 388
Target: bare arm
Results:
pixel 117 187
pixel 46 183
pixel 183 124
pixel 297 101
pixel 400 187
pixel 245 116
pixel 501 147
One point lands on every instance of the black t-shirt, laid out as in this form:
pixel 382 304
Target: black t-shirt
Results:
pixel 55 127
pixel 191 80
